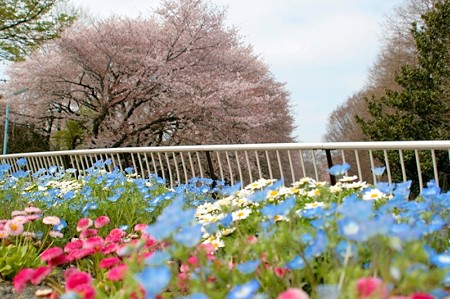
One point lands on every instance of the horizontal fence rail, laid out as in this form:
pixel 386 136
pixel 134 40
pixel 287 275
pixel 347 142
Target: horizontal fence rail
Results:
pixel 418 161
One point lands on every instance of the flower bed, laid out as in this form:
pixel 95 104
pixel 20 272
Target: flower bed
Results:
pixel 114 235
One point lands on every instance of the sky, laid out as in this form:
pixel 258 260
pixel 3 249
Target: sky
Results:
pixel 321 49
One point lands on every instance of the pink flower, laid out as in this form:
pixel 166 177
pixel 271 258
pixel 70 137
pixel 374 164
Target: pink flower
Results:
pixel 18 213
pixel 141 227
pixel 33 217
pixel 55 234
pixel 109 248
pixel 73 245
pixel 21 279
pixel 109 262
pixel 116 234
pixel 101 221
pixel 51 253
pixel 88 233
pixel 370 287
pixel 95 243
pixel 3 234
pixel 32 210
pixel 39 274
pixel 84 224
pixel 85 290
pixel 14 228
pixel 293 293
pixel 59 260
pixel 51 220
pixel 80 253
pixel 75 278
pixel 21 219
pixel 421 296
pixel 117 273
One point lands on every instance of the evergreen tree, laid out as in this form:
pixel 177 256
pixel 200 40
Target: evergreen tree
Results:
pixel 420 109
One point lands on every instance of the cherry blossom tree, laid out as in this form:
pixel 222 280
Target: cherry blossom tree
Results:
pixel 180 76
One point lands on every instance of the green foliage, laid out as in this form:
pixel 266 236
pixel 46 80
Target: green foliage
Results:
pixel 70 137
pixel 16 257
pixel 26 24
pixel 420 109
pixel 24 138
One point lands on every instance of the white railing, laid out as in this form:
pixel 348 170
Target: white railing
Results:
pixel 248 162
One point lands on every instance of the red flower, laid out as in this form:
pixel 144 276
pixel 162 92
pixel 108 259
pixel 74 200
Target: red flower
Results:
pixel 51 253
pixel 21 279
pixel 101 221
pixel 39 274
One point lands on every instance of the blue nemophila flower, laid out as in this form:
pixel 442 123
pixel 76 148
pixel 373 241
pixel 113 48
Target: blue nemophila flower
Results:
pixel 5 167
pixel 20 174
pixel 154 280
pixel 21 162
pixel 441 260
pixel 52 169
pixel 356 209
pixel 129 170
pixel 318 246
pixel 283 208
pixel 446 280
pixel 189 236
pixel 378 171
pixel 339 169
pixel 244 291
pixel 158 258
pixel 297 263
pixel 348 249
pixel 351 229
pixel 227 220
pixel 69 195
pixel 229 190
pixel 62 225
pixel 248 267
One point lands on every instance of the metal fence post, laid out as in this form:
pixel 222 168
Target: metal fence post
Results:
pixel 330 163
